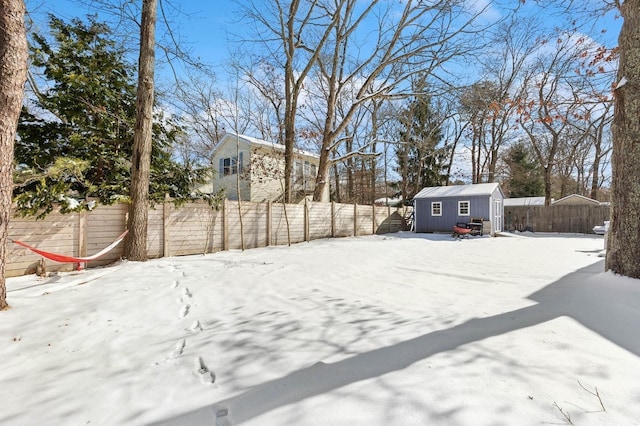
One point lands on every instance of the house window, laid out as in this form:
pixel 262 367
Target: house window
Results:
pixel 436 208
pixel 314 171
pixel 297 171
pixel 463 208
pixel 229 166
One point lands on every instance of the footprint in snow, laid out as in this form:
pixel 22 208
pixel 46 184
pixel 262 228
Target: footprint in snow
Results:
pixel 175 284
pixel 195 327
pixel 186 292
pixel 177 351
pixel 206 376
pixel 184 311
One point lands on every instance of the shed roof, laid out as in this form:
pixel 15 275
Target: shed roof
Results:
pixel 575 199
pixel 524 201
pixel 458 190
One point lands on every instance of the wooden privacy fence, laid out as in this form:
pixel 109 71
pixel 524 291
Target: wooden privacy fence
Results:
pixel 194 228
pixel 564 219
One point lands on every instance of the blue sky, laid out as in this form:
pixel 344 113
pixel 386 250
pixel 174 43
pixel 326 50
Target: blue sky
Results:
pixel 201 24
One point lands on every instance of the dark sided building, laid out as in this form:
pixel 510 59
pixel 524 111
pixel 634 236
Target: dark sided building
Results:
pixel 439 208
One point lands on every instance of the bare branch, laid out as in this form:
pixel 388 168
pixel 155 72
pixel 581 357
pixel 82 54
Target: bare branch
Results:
pixel 596 394
pixel 566 415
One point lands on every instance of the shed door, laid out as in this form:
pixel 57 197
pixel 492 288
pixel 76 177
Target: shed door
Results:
pixel 497 207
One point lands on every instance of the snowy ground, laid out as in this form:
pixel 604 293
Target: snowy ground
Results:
pixel 400 329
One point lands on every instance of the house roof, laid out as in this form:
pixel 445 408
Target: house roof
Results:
pixel 575 199
pixel 458 190
pixel 255 141
pixel 524 201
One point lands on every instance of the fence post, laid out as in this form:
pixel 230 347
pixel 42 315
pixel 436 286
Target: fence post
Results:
pixel 355 220
pixel 306 220
pixel 165 227
pixel 269 219
pixel 333 219
pixel 225 224
pixel 373 219
pixel 82 235
pixel 389 217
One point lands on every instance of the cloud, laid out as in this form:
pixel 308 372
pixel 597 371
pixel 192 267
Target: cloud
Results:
pixel 484 9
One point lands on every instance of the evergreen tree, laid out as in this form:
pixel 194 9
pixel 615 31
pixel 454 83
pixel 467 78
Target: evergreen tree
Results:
pixel 525 176
pixel 421 157
pixel 75 137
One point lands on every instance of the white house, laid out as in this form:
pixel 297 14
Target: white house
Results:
pixel 257 168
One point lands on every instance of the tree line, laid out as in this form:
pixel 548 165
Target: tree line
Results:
pixel 534 114
pixel 536 99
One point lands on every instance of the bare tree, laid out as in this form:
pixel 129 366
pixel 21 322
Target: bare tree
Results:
pixel 623 246
pixel 481 105
pixel 552 98
pixel 412 39
pixel 453 128
pixel 590 144
pixel 489 102
pixel 268 116
pixel 136 243
pixel 602 147
pixel 292 33
pixel 199 101
pixel 13 74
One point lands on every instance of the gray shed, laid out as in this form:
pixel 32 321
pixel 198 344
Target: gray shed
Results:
pixel 439 208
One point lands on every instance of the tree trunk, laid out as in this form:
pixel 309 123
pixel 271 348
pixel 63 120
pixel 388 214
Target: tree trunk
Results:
pixel 623 246
pixel 13 74
pixel 291 90
pixel 547 185
pixel 404 173
pixel 373 176
pixel 136 247
pixel 320 192
pixel 289 142
pixel 595 179
pixel 350 169
pixel 336 182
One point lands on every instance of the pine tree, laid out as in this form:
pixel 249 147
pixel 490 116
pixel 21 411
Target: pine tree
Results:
pixel 76 136
pixel 421 157
pixel 525 177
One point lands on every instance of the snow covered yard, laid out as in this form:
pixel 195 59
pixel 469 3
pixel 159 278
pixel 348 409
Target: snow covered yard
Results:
pixel 402 329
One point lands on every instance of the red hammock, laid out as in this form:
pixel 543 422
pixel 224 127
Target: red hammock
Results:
pixel 70 259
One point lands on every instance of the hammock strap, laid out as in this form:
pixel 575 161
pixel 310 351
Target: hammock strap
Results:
pixel 70 259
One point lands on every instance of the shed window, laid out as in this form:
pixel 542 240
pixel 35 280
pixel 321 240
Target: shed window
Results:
pixel 463 208
pixel 436 208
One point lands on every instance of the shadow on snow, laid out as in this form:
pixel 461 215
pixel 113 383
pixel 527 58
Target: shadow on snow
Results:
pixel 608 307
